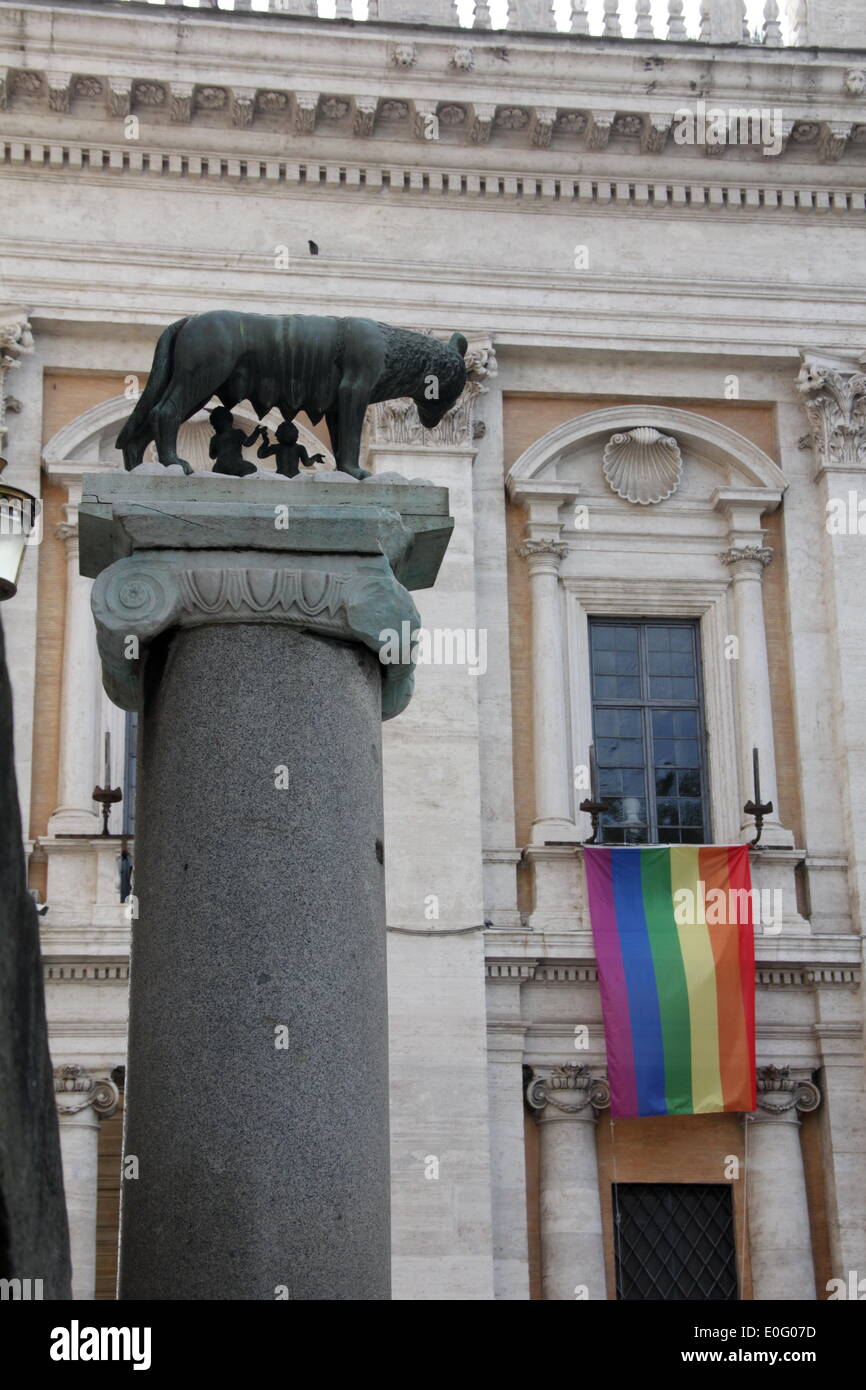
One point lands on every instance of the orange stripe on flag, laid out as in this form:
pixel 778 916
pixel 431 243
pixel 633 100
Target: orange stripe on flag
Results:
pixel 735 1064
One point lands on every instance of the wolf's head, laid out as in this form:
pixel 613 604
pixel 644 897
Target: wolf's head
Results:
pixel 444 382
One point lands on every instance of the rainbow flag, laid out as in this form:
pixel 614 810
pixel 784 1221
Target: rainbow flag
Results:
pixel 675 948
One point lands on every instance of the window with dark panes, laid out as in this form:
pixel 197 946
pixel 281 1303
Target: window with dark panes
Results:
pixel 648 731
pixel 674 1242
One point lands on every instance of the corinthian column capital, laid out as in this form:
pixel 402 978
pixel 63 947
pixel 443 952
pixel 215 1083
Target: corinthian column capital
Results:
pixel 567 1092
pixel 833 388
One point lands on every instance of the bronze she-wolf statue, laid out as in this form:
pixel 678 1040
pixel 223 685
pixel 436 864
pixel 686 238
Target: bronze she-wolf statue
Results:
pixel 324 366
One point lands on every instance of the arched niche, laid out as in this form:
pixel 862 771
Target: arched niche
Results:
pixel 713 455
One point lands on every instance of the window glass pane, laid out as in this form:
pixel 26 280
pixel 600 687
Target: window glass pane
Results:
pixel 619 752
pixel 650 665
pixel 682 640
pixel 602 638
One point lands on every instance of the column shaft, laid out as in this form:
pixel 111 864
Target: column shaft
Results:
pixel 571 1231
pixel 780 1242
pixel 257 1095
pixel 552 799
pixel 753 683
pixel 79 1148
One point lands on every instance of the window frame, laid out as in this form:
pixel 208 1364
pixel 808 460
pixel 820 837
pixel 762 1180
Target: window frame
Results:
pixel 669 597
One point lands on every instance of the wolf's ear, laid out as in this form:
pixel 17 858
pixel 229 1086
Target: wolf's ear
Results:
pixel 458 343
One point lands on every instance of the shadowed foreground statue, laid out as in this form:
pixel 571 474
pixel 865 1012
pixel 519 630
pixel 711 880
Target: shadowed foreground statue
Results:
pixel 324 366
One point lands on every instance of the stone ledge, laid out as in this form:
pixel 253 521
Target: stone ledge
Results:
pixel 122 512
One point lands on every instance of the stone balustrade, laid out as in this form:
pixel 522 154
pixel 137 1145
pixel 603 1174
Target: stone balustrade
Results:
pixel 775 23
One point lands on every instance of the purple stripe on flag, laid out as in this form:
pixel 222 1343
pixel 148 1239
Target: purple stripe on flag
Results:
pixel 612 983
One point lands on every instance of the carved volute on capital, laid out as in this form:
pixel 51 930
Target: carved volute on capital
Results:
pixel 834 399
pixel 137 598
pixel 781 1094
pixel 75 1089
pixel 568 1090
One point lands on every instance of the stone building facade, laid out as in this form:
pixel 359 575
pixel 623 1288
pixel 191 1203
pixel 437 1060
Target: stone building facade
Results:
pixel 664 431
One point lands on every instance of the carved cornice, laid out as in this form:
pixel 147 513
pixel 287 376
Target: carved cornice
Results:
pixel 779 1092
pixel 569 1089
pixel 75 1090
pixel 145 594
pixel 276 107
pixel 834 398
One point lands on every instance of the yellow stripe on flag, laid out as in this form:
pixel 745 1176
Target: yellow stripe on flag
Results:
pixel 700 967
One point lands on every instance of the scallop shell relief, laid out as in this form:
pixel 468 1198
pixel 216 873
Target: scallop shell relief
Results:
pixel 643 466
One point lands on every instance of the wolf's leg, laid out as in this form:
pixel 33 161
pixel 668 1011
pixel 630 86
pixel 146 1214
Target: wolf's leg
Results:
pixel 166 418
pixel 353 398
pixel 133 450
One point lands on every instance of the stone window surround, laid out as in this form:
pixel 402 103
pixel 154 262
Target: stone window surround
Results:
pixel 754 485
pixel 705 602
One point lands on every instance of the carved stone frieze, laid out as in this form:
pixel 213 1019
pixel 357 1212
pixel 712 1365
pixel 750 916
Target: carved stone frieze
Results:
pixel 599 129
pixel 364 115
pixel 306 107
pixel 482 122
pixel 272 103
pixel 181 96
pixel 243 105
pixel 59 90
pixel 542 130
pixel 119 96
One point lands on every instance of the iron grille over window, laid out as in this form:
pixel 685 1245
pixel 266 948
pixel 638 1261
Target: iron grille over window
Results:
pixel 647 715
pixel 674 1242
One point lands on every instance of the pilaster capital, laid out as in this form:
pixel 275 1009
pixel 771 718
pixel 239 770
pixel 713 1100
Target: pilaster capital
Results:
pixel 782 1096
pixel 16 341
pixel 569 1091
pixel 833 389
pixel 75 1090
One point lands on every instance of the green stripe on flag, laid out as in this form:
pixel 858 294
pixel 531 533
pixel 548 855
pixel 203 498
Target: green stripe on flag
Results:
pixel 670 975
